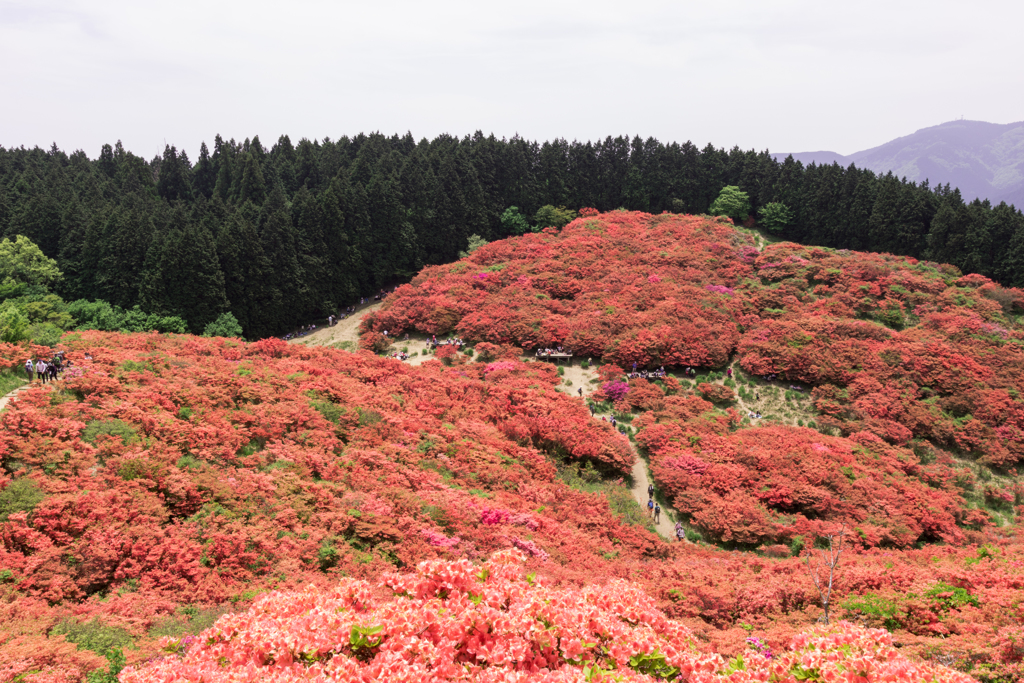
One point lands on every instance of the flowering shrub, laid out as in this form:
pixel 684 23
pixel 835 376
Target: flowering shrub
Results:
pixel 615 391
pixel 457 621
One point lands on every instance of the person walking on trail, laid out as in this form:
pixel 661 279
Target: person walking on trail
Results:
pixel 680 533
pixel 581 392
pixel 650 507
pixel 591 406
pixel 40 370
pixel 28 369
pixel 657 513
pixel 650 490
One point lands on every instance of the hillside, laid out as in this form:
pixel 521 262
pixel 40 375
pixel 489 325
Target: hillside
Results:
pixel 284 235
pixel 360 518
pixel 984 160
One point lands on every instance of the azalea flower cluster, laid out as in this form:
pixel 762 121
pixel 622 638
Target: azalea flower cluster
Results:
pixel 459 621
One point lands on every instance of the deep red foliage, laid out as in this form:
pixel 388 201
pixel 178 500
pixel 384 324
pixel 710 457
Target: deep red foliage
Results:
pixel 900 348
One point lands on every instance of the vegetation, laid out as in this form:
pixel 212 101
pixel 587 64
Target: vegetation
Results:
pixel 288 234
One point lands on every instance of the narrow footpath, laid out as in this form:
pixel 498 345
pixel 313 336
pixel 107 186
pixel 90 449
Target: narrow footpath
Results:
pixel 7 398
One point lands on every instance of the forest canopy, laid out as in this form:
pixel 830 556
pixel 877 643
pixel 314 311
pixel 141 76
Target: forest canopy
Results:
pixel 282 235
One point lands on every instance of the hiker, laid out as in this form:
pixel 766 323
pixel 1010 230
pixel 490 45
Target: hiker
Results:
pixel 28 369
pixel 657 513
pixel 581 392
pixel 650 507
pixel 613 421
pixel 680 533
pixel 51 370
pixel 650 490
pixel 591 406
pixel 41 370
pixel 728 372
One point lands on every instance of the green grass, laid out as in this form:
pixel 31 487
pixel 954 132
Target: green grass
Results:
pixel 620 497
pixel 11 379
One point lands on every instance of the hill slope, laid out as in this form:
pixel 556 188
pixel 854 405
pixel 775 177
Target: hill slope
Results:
pixel 175 479
pixel 984 160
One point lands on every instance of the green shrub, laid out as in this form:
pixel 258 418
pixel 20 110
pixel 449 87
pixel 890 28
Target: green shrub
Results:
pixel 796 546
pixel 368 417
pixel 561 371
pixel 327 555
pixel 875 608
pixel 21 495
pixel 93 635
pixel 11 379
pixel 331 411
pixel 946 597
pixel 189 620
pixel 117 428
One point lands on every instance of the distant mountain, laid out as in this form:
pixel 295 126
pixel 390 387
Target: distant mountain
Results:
pixel 984 160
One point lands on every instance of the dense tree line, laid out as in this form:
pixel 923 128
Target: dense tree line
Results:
pixel 283 235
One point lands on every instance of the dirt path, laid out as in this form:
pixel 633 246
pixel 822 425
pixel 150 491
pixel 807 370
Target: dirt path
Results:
pixel 641 480
pixel 7 398
pixel 346 330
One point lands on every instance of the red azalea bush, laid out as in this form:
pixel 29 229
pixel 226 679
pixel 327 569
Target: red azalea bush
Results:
pixel 458 621
pixel 770 484
pixel 716 393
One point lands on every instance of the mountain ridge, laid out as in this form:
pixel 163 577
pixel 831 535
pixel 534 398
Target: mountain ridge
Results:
pixel 984 160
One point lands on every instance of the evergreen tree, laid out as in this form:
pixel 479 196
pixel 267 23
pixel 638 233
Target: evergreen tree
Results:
pixel 205 173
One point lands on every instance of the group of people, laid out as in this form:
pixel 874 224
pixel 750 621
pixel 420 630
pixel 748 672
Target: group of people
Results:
pixel 557 351
pixel 46 370
pixel 400 355
pixel 302 332
pixel 754 416
pixel 647 374
pixel 653 509
pixel 450 341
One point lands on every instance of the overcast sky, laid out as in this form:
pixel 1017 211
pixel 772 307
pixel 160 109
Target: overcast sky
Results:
pixel 786 75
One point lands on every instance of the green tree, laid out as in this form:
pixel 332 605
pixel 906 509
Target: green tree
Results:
pixel 474 243
pixel 22 261
pixel 775 216
pixel 731 202
pixel 224 326
pixel 513 222
pixel 553 217
pixel 13 323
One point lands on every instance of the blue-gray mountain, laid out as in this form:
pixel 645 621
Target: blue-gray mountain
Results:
pixel 984 160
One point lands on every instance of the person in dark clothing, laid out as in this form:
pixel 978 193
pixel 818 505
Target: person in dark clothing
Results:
pixel 650 490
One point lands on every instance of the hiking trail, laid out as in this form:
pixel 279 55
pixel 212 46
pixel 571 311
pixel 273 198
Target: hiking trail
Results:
pixel 10 395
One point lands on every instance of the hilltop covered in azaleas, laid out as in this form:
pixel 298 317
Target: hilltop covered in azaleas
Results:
pixel 902 349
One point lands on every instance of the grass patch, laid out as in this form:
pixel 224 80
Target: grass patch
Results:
pixel 585 477
pixel 11 379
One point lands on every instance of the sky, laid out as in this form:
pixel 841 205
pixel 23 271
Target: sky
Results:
pixel 781 75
